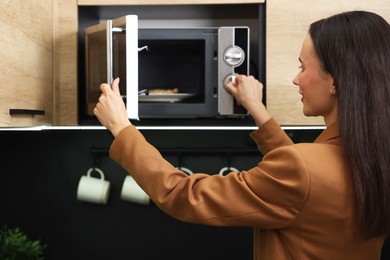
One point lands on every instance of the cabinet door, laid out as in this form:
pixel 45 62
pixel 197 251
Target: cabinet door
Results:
pixel 26 60
pixel 287 25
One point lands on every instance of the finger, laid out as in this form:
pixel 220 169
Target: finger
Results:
pixel 231 88
pixel 115 86
pixel 239 78
pixel 103 87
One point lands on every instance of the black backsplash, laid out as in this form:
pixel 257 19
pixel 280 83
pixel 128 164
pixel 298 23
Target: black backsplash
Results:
pixel 38 184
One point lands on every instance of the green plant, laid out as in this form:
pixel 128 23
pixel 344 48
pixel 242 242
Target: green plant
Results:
pixel 15 245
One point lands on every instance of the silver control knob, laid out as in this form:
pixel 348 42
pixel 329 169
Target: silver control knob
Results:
pixel 234 56
pixel 229 78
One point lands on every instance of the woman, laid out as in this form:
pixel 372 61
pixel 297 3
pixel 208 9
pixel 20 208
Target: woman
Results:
pixel 327 200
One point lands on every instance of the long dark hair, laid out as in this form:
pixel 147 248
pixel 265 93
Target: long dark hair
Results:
pixel 354 47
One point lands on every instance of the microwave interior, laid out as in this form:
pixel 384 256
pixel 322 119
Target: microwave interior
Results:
pixel 170 65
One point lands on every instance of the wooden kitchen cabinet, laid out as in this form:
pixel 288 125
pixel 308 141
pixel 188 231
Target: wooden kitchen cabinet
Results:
pixel 65 62
pixel 26 63
pixel 287 25
pixel 38 62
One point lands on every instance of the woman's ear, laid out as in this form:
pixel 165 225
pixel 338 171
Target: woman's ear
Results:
pixel 333 89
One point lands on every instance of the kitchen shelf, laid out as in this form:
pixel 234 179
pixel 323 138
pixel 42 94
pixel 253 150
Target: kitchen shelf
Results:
pixel 159 128
pixel 165 2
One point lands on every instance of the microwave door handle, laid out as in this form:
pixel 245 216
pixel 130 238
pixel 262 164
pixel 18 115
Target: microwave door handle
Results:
pixel 109 51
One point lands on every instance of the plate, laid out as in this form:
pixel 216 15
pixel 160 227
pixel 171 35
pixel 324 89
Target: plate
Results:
pixel 164 97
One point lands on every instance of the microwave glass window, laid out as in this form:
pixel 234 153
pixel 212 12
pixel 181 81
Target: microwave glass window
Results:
pixel 119 60
pixel 96 64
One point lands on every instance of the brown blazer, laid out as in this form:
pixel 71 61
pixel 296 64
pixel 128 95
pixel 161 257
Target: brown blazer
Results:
pixel 298 198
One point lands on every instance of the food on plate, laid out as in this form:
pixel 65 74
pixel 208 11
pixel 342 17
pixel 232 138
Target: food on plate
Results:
pixel 163 91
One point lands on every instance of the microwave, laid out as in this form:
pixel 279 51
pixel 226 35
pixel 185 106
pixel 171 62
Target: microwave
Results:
pixel 166 72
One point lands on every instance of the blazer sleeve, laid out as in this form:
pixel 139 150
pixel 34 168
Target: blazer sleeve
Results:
pixel 270 136
pixel 269 195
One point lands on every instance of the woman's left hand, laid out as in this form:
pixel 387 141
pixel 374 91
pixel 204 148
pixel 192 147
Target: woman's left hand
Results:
pixel 248 92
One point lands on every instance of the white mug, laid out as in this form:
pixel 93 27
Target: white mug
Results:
pixel 226 170
pixel 184 169
pixel 132 192
pixel 91 189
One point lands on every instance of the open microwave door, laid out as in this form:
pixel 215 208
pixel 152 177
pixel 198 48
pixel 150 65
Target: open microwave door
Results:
pixel 122 59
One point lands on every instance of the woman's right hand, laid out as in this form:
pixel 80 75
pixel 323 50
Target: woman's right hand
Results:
pixel 110 110
pixel 248 92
